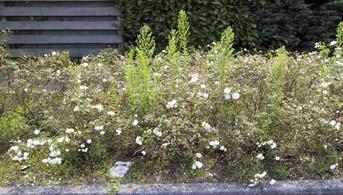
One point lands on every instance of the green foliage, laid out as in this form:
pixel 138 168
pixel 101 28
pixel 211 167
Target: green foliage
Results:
pixel 208 20
pixel 174 55
pixel 261 24
pixel 67 120
pixel 277 78
pixel 340 35
pixel 223 52
pixel 183 29
pixel 145 41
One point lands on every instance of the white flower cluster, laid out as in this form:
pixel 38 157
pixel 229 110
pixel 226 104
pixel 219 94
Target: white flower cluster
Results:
pixel 100 128
pixel 19 155
pixel 172 104
pixel 271 143
pixel 214 143
pixel 229 96
pixel 35 142
pixel 260 156
pixel 157 132
pixel 197 164
pixel 63 139
pixel 335 124
pixel 139 140
pixel 207 126
pixel 334 166
pixel 54 157
pixel 257 178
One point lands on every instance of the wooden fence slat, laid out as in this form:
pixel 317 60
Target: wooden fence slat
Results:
pixel 59 25
pixel 58 39
pixel 59 11
pixel 50 0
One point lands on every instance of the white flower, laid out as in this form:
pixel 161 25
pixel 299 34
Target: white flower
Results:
pixel 89 141
pixel 99 128
pixel 273 146
pixel 317 45
pixel 333 43
pixel 135 122
pixel 198 155
pixel 36 132
pixel 214 143
pixel 16 158
pixel 235 96
pixel 223 148
pixel 202 86
pixel 104 80
pixel 76 109
pixel 56 161
pixel 206 126
pixel 172 104
pixel 118 131
pixel 139 140
pixel 83 87
pixel 260 156
pixel 111 113
pixel 194 78
pixel 272 182
pixel 334 166
pixel 85 64
pixel 227 93
pixel 227 90
pixel 14 148
pixel 203 95
pixel 53 53
pixel 332 123
pixel 26 155
pixel 143 153
pixel 277 158
pixel 102 132
pixel 197 165
pixel 157 132
pixel 325 84
pixel 99 107
pixel 260 176
pixel 69 130
pixel 270 142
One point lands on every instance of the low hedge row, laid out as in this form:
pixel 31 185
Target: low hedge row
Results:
pixel 258 24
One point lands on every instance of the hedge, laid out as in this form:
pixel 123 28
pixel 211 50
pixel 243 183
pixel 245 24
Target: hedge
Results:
pixel 258 24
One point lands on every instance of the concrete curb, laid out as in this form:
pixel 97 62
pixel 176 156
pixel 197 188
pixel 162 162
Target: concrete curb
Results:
pixel 334 187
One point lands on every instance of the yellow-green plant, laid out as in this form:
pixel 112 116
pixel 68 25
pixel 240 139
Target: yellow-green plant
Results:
pixel 145 41
pixel 340 35
pixel 173 55
pixel 223 52
pixel 183 32
pixel 277 78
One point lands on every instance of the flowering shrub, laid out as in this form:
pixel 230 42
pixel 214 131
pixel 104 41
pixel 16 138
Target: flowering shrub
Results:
pixel 196 116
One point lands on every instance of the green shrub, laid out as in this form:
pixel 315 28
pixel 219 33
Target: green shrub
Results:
pixel 207 18
pixel 262 24
pixel 253 119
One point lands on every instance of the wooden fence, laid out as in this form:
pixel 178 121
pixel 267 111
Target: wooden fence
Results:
pixel 41 26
